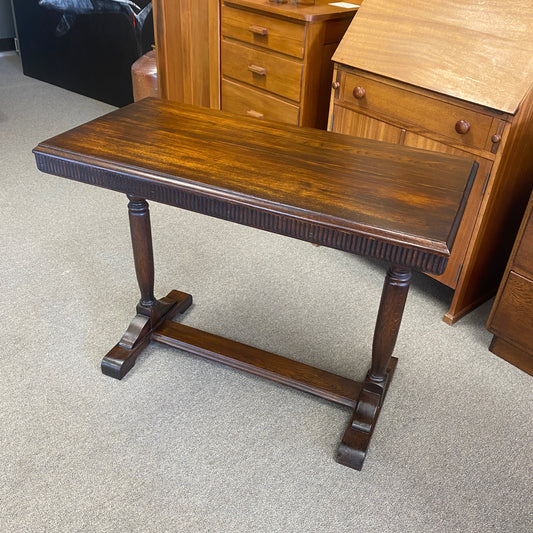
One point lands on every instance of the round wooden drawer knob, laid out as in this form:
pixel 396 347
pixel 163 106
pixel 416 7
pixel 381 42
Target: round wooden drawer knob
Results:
pixel 496 138
pixel 359 92
pixel 462 126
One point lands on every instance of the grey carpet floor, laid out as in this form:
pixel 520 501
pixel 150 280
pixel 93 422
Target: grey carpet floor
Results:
pixel 184 445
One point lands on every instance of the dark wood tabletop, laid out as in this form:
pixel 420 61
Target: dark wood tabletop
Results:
pixel 337 190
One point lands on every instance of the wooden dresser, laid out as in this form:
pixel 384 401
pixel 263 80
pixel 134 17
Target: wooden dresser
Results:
pixel 452 77
pixel 511 318
pixel 251 57
pixel 276 59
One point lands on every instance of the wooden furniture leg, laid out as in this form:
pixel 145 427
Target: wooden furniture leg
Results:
pixel 353 447
pixel 150 312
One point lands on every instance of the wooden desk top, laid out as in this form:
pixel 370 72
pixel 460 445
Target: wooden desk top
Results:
pixel 375 199
pixel 476 51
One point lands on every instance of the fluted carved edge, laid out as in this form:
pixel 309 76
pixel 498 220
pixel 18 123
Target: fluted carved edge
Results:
pixel 257 217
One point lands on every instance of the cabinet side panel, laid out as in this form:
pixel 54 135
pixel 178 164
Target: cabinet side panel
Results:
pixel 505 200
pixel 184 49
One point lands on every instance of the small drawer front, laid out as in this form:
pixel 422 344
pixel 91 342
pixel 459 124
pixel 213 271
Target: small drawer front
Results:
pixel 514 316
pixel 261 30
pixel 246 101
pixel 524 255
pixel 264 70
pixel 418 112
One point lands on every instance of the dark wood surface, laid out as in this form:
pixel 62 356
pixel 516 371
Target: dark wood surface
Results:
pixel 384 201
pixel 330 189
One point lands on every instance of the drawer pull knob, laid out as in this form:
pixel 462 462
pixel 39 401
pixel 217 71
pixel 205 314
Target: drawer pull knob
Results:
pixel 258 30
pixel 255 114
pixel 462 126
pixel 359 93
pixel 335 85
pixel 257 70
pixel 496 138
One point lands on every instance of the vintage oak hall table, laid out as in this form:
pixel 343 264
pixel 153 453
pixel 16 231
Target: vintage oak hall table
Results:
pixel 379 200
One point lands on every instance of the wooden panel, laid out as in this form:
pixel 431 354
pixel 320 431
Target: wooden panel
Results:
pixel 264 70
pixel 186 35
pixel 246 101
pixel 480 52
pixel 523 260
pixel 264 31
pixel 318 71
pixel 351 123
pixel 512 319
pixel 422 112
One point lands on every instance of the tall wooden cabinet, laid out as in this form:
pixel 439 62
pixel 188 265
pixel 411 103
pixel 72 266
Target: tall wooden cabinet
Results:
pixel 251 57
pixel 276 58
pixel 454 77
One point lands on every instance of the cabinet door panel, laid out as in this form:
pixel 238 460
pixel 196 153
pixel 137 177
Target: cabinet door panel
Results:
pixel 351 123
pixel 466 228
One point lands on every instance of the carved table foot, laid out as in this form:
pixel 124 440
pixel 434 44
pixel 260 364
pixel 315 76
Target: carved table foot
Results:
pixel 121 358
pixel 354 444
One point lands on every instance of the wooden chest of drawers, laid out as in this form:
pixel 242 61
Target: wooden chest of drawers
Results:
pixel 276 59
pixel 511 318
pixel 417 74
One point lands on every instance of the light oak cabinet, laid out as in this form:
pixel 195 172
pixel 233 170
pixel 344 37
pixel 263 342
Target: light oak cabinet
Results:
pixel 511 318
pixel 275 59
pixel 253 57
pixel 395 81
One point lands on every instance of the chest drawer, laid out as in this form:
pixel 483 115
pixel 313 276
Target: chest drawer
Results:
pixel 278 75
pixel 267 32
pixel 512 319
pixel 461 124
pixel 246 101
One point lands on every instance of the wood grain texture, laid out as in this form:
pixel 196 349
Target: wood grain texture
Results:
pixel 186 38
pixel 381 200
pixel 476 51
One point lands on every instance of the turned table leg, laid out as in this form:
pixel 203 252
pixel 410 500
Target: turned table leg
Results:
pixel 143 255
pixel 150 312
pixel 354 444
